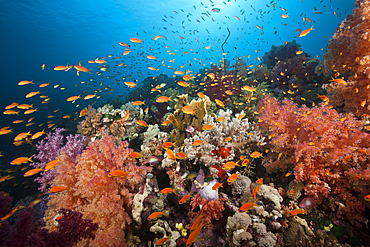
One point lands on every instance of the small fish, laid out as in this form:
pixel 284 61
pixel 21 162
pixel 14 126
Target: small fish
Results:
pixel 83 112
pixel 31 94
pixel 170 154
pixel 247 206
pixel 21 160
pixel 284 16
pixel 217 186
pixel 162 241
pixel 220 103
pixel 51 165
pixel 201 95
pixel 187 77
pixel 198 142
pixel 25 82
pixel 73 98
pixel 233 177
pixel 305 32
pixel 194 235
pixel 130 84
pixel 33 172
pixel 188 110
pixel 180 156
pixel 229 165
pixel 57 189
pixel 157 215
pixel 135 155
pixel 256 154
pixel 207 127
pixel 367 198
pixel 136 40
pixel 185 198
pixel 118 173
pixel 166 123
pixel 183 84
pixel 167 191
pixel 297 211
pixel 163 99
pixel 142 123
pixel 259 181
pixel 216 10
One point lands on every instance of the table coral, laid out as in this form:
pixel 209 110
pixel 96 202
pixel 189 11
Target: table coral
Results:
pixel 328 152
pixel 105 200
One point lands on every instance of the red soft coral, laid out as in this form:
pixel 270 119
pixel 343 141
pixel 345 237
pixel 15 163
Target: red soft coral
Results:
pixel 212 210
pixel 324 148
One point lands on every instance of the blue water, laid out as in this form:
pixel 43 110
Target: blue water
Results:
pixel 58 33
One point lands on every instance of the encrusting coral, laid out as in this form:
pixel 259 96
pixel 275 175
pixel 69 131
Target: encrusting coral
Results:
pixel 105 200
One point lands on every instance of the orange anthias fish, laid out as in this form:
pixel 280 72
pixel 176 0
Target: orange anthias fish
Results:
pixel 57 189
pixel 22 135
pixel 185 198
pixel 163 99
pixel 21 83
pixel 229 165
pixel 81 68
pixel 138 102
pixel 21 160
pixel 220 103
pixel 247 206
pixel 168 144
pixel 183 84
pixel 135 155
pixel 162 241
pixel 157 37
pixel 90 96
pixel 194 235
pixel 24 106
pixel 201 95
pixel 217 186
pixel 31 94
pixel 73 98
pixel 157 215
pixel 51 165
pixel 170 154
pixel 297 211
pixel 207 127
pixel 180 156
pixel 233 177
pixel 339 81
pixel 256 154
pixel 188 110
pixel 130 84
pixel 305 32
pixel 11 106
pixel 142 123
pixel 187 77
pixel 198 142
pixel 33 172
pixel 167 191
pixel 117 173
pixel 136 40
pixel 259 181
pixel 83 112
pixel 65 68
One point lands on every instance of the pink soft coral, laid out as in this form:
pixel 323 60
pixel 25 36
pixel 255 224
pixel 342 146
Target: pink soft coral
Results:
pixel 105 200
pixel 325 149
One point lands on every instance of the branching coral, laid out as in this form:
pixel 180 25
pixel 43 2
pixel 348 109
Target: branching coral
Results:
pixel 105 200
pixel 325 149
pixel 90 126
pixel 348 51
pixel 244 138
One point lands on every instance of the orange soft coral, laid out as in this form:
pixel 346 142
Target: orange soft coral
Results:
pixel 211 209
pixel 348 51
pixel 105 200
pixel 325 149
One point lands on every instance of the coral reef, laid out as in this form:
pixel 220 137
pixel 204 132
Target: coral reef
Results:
pixel 280 53
pixel 105 200
pixel 90 126
pixel 50 148
pixel 326 150
pixel 348 52
pixel 221 85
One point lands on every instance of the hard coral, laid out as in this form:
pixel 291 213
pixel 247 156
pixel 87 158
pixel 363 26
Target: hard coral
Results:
pixel 324 148
pixel 105 200
pixel 280 53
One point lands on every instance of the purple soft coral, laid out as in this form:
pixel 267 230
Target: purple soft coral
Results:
pixel 49 149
